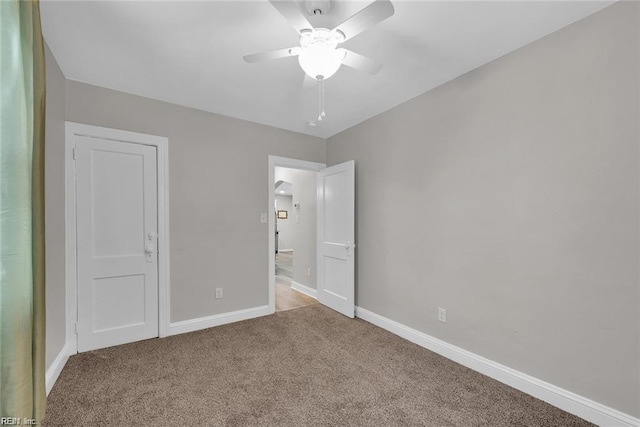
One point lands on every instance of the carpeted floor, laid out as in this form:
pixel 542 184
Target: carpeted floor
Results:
pixel 302 367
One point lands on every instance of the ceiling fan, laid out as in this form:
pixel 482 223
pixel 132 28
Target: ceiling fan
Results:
pixel 318 53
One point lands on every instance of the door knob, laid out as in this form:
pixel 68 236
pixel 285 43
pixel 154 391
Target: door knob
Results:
pixel 149 248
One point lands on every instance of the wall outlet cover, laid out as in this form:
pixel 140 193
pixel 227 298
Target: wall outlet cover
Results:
pixel 442 315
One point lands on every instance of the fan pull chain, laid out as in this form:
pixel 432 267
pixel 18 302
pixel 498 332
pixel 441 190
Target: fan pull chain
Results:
pixel 321 114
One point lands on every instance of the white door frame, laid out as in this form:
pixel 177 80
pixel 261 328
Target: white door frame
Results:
pixel 284 162
pixel 162 147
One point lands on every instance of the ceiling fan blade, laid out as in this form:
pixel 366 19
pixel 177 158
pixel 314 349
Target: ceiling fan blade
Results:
pixel 361 62
pixel 272 54
pixel 290 11
pixel 376 12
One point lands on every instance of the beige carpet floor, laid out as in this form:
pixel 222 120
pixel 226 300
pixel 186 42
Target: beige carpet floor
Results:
pixel 304 367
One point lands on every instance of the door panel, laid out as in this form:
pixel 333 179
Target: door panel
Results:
pixel 126 293
pixel 118 180
pixel 336 230
pixel 335 188
pixel 117 226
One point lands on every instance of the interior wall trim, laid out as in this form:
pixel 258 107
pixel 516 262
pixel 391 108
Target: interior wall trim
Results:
pixel 54 370
pixel 200 323
pixel 313 293
pixel 566 400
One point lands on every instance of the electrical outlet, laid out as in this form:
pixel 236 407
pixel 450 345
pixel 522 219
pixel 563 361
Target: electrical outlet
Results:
pixel 218 293
pixel 442 315
pixel 263 218
pixel 309 271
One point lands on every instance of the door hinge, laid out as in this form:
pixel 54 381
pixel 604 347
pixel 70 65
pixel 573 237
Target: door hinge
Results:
pixel 75 155
pixel 76 327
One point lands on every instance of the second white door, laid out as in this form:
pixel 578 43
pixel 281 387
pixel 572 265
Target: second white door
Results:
pixel 117 231
pixel 336 237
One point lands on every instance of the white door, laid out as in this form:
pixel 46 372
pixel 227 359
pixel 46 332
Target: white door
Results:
pixel 336 236
pixel 117 230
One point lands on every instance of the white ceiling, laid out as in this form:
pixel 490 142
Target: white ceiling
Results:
pixel 283 188
pixel 190 53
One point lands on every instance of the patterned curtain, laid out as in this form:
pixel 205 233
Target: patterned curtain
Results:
pixel 22 291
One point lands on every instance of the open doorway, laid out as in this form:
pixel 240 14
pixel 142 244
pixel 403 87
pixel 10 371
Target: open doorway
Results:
pixel 285 230
pixel 292 238
pixel 295 237
pixel 327 271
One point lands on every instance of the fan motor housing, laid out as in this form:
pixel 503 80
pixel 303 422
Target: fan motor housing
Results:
pixel 317 7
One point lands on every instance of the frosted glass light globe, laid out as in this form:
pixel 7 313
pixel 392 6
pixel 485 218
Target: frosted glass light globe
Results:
pixel 320 60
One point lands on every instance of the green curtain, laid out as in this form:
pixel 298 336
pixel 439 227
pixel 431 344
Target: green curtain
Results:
pixel 22 288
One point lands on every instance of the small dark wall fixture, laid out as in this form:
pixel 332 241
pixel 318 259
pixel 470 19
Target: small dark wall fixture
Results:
pixel 283 214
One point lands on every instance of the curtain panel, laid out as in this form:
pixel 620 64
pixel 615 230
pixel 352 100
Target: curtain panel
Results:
pixel 22 262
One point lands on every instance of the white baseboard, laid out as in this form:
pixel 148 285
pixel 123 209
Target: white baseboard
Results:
pixel 53 372
pixel 285 250
pixel 304 289
pixel 568 401
pixel 192 325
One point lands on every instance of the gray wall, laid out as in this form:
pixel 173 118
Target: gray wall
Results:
pixel 285 226
pixel 304 238
pixel 54 208
pixel 217 239
pixel 509 196
pixel 304 227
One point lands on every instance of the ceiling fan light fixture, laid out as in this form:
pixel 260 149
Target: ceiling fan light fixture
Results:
pixel 320 61
pixel 337 35
pixel 318 54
